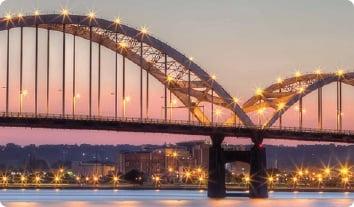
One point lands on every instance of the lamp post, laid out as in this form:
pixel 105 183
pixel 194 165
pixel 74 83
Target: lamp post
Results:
pixel 125 102
pixel 23 94
pixel 75 100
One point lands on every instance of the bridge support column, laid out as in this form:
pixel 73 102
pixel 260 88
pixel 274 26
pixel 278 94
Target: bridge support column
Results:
pixel 216 181
pixel 258 166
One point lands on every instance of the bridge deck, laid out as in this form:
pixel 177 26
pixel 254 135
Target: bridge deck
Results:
pixel 80 122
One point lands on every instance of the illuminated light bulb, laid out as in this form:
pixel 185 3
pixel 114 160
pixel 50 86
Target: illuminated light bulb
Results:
pixel 213 77
pixel 261 111
pixel 169 78
pixel 280 80
pixel 92 15
pixel 247 179
pixel 340 72
pixel 235 99
pixel 259 92
pixel 188 174
pixel 8 16
pixel 327 171
pixel 4 178
pixel 191 58
pixel 77 178
pixel 20 15
pixel 281 106
pixel 344 170
pixel 37 179
pixel 301 90
pixel 295 179
pixel 64 12
pixel 123 44
pixel 298 74
pixel 115 178
pixel 56 179
pixel 127 99
pixel 318 72
pixel 174 102
pixel 270 179
pixel 218 112
pixel 174 154
pixel 23 178
pixel 36 13
pixel 345 180
pixel 117 20
pixel 144 30
pixel 24 93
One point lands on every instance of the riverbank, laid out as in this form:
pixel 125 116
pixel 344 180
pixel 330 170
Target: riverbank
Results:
pixel 162 187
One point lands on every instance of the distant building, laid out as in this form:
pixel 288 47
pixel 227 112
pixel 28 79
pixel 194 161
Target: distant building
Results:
pixel 91 168
pixel 199 151
pixel 166 159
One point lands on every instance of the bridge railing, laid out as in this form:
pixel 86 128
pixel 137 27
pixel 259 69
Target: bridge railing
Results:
pixel 162 121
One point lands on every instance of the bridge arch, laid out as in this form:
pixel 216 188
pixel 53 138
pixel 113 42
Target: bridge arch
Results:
pixel 283 95
pixel 155 53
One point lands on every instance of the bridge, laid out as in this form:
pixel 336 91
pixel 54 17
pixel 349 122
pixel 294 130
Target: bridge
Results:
pixel 209 109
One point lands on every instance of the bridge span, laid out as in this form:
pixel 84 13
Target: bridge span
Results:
pixel 147 125
pixel 184 83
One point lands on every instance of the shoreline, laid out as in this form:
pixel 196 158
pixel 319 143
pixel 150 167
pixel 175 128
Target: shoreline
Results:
pixel 150 187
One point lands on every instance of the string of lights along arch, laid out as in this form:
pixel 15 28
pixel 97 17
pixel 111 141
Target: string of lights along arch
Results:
pixel 179 75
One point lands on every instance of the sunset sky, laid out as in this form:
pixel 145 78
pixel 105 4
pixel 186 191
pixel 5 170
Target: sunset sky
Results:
pixel 247 44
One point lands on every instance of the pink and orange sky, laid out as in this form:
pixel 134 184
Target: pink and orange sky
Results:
pixel 247 44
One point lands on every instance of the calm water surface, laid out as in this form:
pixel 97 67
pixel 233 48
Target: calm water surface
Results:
pixel 171 198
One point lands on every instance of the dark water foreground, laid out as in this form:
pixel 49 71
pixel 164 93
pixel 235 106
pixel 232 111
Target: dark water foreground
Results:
pixel 170 198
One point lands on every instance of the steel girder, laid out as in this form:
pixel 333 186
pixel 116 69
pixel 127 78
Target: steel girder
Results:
pixel 126 41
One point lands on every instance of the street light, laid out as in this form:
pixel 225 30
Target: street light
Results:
pixel 259 92
pixel 218 113
pixel 280 80
pixel 91 15
pixel 23 179
pixel 144 30
pixel 64 12
pixel 126 100
pixel 75 100
pixel 36 12
pixel 298 74
pixel 23 94
pixel 117 20
pixel 8 16
pixel 340 72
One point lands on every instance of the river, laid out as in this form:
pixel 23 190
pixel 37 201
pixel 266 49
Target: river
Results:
pixel 170 198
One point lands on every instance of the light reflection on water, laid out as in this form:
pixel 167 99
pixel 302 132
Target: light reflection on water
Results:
pixel 168 198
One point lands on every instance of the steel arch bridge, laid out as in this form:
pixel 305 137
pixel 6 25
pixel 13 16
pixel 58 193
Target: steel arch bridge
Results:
pixel 177 73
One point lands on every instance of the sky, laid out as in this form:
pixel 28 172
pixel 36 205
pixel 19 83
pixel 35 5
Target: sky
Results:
pixel 247 44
